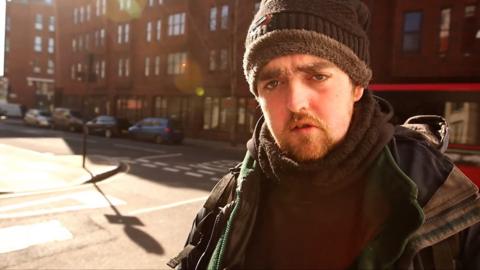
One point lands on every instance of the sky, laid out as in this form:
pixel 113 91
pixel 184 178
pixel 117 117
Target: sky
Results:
pixel 3 4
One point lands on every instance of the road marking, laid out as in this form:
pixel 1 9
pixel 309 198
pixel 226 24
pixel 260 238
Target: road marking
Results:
pixel 211 168
pixel 214 179
pixel 161 156
pixel 143 160
pixel 206 172
pixel 149 165
pixel 86 200
pixel 194 174
pixel 183 168
pixel 24 236
pixel 167 206
pixel 171 169
pixel 139 148
pixel 160 163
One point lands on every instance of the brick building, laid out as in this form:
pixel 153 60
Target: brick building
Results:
pixel 139 58
pixel 30 52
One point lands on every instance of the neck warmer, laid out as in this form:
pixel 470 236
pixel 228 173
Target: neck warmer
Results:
pixel 368 133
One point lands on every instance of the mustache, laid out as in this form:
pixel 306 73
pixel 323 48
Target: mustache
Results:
pixel 303 118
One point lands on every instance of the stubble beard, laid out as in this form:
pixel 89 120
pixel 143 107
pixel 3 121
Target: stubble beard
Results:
pixel 309 146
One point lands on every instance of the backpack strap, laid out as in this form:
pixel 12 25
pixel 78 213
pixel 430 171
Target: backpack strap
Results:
pixel 445 253
pixel 222 193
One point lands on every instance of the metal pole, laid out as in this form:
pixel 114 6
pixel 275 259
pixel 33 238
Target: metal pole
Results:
pixel 84 145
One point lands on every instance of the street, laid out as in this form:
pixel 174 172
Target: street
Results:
pixel 136 219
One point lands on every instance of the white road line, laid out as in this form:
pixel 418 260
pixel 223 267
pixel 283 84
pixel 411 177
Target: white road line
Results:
pixel 171 169
pixel 167 206
pixel 160 163
pixel 211 168
pixel 206 172
pixel 86 200
pixel 139 148
pixel 148 165
pixel 194 174
pixel 183 168
pixel 214 179
pixel 23 236
pixel 163 156
pixel 143 160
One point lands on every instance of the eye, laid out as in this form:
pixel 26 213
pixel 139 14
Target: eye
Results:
pixel 271 85
pixel 319 77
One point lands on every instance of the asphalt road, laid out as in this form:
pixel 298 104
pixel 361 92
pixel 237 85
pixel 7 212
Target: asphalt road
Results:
pixel 137 219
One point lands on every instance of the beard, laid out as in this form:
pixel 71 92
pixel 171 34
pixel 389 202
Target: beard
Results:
pixel 305 146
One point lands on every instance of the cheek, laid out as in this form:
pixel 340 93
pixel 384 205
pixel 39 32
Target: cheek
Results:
pixel 275 113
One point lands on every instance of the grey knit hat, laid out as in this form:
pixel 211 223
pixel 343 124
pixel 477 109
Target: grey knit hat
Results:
pixel 332 29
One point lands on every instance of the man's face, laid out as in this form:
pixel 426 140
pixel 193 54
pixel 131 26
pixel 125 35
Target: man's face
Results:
pixel 307 102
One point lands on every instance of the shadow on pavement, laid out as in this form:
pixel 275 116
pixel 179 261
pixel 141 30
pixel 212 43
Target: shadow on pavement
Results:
pixel 136 235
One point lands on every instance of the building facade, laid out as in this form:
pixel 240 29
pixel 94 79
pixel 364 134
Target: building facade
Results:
pixel 30 52
pixel 182 59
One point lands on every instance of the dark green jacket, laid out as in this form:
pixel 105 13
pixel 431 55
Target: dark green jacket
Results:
pixel 433 224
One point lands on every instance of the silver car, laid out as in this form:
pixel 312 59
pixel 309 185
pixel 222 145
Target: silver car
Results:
pixel 36 117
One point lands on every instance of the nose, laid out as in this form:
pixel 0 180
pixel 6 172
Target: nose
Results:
pixel 297 97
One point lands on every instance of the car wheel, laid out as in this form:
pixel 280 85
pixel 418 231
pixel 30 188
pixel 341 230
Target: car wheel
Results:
pixel 108 133
pixel 158 139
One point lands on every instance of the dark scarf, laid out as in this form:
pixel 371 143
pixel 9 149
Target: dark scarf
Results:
pixel 369 132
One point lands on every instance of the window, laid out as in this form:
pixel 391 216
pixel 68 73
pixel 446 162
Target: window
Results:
pixel 36 66
pixel 223 59
pixel 7 44
pixel 120 67
pixel 38 21
pixel 213 19
pixel 411 31
pixel 50 67
pixel 157 65
pixel 119 34
pixel 102 36
pixel 212 60
pixel 51 45
pixel 444 30
pixel 121 4
pixel 51 24
pixel 215 113
pixel 159 29
pixel 471 33
pixel 97 68
pixel 127 67
pixel 160 2
pixel 74 44
pixel 176 63
pixel 224 19
pixel 75 15
pixel 88 12
pixel 150 3
pixel 161 106
pixel 80 43
pixel 82 12
pixel 72 72
pixel 127 33
pixel 37 44
pixel 176 24
pixel 147 66
pixel 97 8
pixel 8 23
pixel 104 7
pixel 102 70
pixel 96 36
pixel 149 32
pixel 128 4
pixel 87 41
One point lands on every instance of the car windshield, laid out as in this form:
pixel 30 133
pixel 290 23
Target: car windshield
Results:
pixel 46 114
pixel 106 119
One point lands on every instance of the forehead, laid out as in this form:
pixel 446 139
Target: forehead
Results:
pixel 284 65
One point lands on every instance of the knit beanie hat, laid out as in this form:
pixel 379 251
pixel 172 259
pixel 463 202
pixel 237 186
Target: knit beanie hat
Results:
pixel 331 29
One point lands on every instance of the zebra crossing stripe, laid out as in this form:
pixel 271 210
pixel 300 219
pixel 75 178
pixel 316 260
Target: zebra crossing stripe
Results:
pixel 171 169
pixel 160 163
pixel 148 165
pixel 194 174
pixel 206 172
pixel 183 168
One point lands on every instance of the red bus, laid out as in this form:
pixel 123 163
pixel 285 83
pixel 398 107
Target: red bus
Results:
pixel 459 103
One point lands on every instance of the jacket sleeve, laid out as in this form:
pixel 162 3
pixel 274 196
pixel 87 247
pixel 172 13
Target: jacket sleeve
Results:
pixel 470 250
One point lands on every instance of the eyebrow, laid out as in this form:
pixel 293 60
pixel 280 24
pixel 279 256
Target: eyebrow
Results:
pixel 310 68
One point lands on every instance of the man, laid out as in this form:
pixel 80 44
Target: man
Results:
pixel 327 181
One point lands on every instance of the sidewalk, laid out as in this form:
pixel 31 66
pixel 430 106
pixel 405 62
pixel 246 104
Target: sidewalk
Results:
pixel 24 170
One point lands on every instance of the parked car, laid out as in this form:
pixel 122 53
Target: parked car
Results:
pixel 37 117
pixel 158 130
pixel 65 118
pixel 108 126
